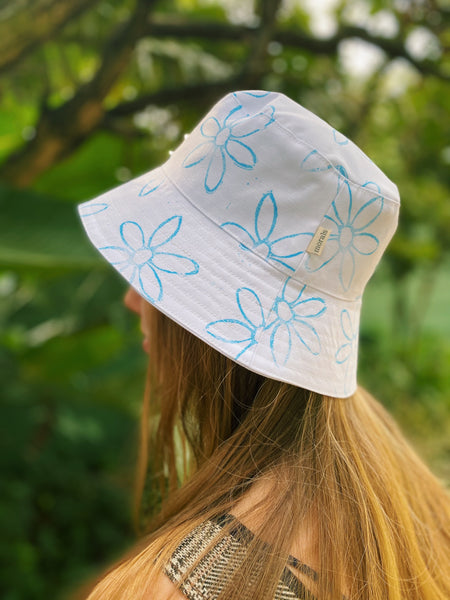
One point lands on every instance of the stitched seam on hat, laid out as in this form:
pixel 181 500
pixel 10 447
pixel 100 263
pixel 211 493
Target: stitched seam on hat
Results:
pixel 272 266
pixel 356 184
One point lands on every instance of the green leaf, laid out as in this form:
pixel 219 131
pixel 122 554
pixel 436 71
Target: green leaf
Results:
pixel 40 232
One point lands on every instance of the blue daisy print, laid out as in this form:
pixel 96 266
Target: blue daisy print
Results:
pixel 241 331
pixel 225 142
pixel 141 262
pixel 279 250
pixel 348 349
pixel 350 237
pixel 292 324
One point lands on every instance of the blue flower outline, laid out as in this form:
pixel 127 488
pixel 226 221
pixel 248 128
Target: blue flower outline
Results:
pixel 285 308
pixel 267 210
pixel 247 331
pixel 349 227
pixel 225 140
pixel 145 260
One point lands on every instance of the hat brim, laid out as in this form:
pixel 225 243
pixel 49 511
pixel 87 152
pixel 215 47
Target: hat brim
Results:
pixel 199 275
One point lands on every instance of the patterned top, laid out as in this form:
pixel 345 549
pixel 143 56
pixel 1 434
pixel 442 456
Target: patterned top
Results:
pixel 208 577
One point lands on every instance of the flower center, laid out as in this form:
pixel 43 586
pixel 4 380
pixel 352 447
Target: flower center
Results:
pixel 142 256
pixel 284 311
pixel 222 136
pixel 346 237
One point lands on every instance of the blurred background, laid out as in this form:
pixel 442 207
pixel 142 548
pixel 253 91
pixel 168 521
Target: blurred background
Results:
pixel 94 92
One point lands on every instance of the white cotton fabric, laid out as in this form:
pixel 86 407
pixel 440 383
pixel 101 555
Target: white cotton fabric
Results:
pixel 217 238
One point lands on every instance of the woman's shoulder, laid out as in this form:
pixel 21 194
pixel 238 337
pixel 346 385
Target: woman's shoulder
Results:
pixel 205 557
pixel 208 556
pixel 250 512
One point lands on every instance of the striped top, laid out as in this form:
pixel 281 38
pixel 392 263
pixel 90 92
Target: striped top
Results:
pixel 208 576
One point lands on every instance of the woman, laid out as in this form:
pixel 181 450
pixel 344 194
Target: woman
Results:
pixel 248 253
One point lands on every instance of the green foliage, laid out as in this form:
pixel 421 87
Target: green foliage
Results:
pixel 37 231
pixel 70 357
pixel 72 383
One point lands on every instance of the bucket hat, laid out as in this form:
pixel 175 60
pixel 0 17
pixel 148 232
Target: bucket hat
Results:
pixel 258 235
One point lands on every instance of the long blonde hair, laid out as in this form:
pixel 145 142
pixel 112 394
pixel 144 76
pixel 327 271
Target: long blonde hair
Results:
pixel 379 519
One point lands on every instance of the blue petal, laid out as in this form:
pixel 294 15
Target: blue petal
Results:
pixel 280 262
pixel 312 344
pixel 174 263
pixel 369 243
pixel 347 270
pixel 283 291
pixel 231 331
pixel 216 170
pixel 345 203
pixel 341 222
pixel 132 235
pixel 309 308
pixel 372 185
pixel 342 172
pixel 255 94
pixel 283 247
pixel 148 188
pixel 339 138
pixel 280 350
pixel 198 154
pixel 210 128
pixel 240 230
pixel 366 215
pixel 150 283
pixel 343 353
pixel 230 114
pixel 165 232
pixel 249 303
pixel 241 154
pixel 338 224
pixel 250 125
pixel 93 208
pixel 116 255
pixel 245 349
pixel 287 295
pixel 321 265
pixel 347 326
pixel 266 216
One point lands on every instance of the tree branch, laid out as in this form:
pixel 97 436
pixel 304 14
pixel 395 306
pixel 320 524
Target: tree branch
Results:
pixel 202 93
pixel 255 64
pixel 23 30
pixel 60 130
pixel 393 47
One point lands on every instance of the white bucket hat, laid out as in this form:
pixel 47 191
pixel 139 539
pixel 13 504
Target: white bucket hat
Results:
pixel 258 235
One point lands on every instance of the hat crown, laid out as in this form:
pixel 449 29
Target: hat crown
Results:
pixel 289 188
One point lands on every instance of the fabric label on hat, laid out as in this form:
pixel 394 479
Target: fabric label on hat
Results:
pixel 317 244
